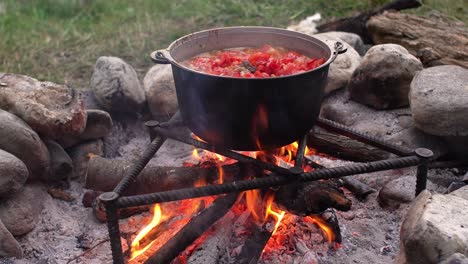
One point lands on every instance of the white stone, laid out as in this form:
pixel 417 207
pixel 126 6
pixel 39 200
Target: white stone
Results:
pixel 435 227
pixel 343 67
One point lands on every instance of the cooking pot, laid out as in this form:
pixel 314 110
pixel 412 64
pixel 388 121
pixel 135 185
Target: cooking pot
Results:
pixel 248 113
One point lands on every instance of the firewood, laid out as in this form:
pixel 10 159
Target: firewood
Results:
pixel 357 24
pixel 254 245
pixel 311 198
pixel 193 229
pixel 434 40
pixel 217 244
pixel 344 147
pixel 104 174
pixel 360 189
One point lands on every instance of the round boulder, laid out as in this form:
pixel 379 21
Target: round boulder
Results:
pixel 343 67
pixel 353 39
pixel 439 100
pixel 160 92
pixel 19 139
pixel 13 174
pixel 383 78
pixel 116 86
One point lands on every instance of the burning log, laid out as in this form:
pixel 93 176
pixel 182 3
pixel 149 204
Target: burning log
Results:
pixel 344 147
pixel 360 189
pixel 195 228
pixel 311 198
pixel 104 174
pixel 357 24
pixel 253 247
pixel 215 246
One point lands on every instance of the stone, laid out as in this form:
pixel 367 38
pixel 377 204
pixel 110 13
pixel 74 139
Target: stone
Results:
pixel 342 68
pixel 80 156
pixel 9 247
pixel 20 212
pixel 354 40
pixel 399 191
pixel 98 125
pixel 414 138
pixel 456 258
pixel 13 174
pixel 383 78
pixel 439 100
pixel 60 163
pixel 160 92
pixel 434 228
pixel 116 85
pixel 52 110
pixel 17 138
pixel 461 192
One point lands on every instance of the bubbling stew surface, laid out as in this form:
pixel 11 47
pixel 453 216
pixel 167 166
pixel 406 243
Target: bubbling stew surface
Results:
pixel 266 61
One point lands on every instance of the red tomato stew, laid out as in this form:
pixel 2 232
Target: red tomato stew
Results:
pixel 266 61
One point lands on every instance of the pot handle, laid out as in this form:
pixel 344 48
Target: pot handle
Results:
pixel 158 57
pixel 338 49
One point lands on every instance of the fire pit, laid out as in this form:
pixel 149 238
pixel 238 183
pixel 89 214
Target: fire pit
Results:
pixel 277 176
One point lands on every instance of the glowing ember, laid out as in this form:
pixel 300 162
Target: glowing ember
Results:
pixel 136 251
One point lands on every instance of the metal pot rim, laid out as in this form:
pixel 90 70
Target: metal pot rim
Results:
pixel 165 54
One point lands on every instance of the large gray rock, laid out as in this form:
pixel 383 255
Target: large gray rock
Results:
pixel 383 78
pixel 342 68
pixel 20 212
pixel 13 174
pixel 17 138
pixel 399 191
pixel 434 228
pixel 439 100
pixel 160 92
pixel 9 247
pixel 116 86
pixel 456 258
pixel 51 109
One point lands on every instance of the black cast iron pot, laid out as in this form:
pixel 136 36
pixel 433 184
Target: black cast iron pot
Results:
pixel 248 113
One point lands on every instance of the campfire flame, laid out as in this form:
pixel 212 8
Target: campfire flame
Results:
pixel 135 247
pixel 323 226
pixel 261 206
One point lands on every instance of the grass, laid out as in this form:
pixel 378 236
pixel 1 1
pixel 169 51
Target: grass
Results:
pixel 59 40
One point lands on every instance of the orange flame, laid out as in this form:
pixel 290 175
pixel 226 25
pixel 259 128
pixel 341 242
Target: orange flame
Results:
pixel 253 202
pixel 269 211
pixel 323 226
pixel 135 247
pixel 221 174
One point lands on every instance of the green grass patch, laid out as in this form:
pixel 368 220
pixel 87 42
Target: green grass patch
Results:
pixel 59 40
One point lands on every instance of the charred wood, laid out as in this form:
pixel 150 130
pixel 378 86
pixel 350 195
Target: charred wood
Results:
pixel 360 189
pixel 357 24
pixel 193 229
pixel 311 198
pixel 329 216
pixel 216 245
pixel 104 174
pixel 254 245
pixel 344 147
